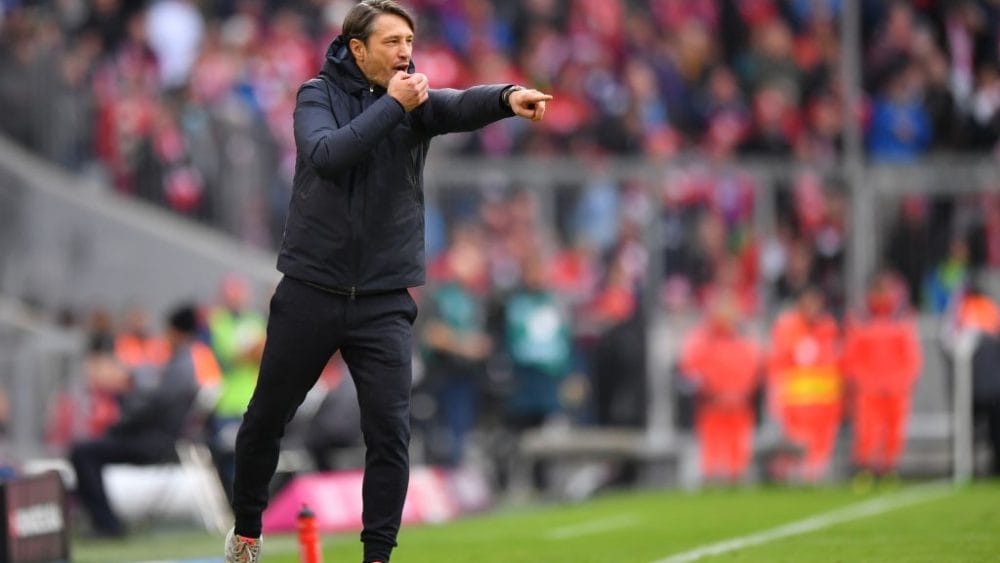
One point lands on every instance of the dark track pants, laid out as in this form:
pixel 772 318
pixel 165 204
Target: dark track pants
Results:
pixel 306 327
pixel 89 459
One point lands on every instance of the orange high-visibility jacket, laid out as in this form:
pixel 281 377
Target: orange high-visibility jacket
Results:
pixel 882 354
pixel 134 351
pixel 206 368
pixel 804 361
pixel 722 363
pixel 979 312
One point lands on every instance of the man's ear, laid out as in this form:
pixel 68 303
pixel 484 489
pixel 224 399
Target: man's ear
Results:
pixel 357 48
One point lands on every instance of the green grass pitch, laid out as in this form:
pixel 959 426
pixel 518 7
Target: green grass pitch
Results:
pixel 913 523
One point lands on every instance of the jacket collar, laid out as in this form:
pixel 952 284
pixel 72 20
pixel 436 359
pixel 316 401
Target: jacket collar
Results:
pixel 340 67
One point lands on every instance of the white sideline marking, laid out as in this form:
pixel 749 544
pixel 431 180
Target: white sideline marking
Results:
pixel 592 527
pixel 916 495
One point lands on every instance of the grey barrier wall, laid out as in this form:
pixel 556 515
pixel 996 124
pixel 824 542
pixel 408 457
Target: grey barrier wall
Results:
pixel 65 242
pixel 38 363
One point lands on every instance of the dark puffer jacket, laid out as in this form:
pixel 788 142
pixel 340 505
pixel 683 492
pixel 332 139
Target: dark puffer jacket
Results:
pixel 356 218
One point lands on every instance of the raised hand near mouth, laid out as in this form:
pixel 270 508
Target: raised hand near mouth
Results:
pixel 410 90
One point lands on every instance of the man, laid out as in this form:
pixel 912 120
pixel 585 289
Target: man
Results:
pixel 353 244
pixel 805 381
pixel 538 341
pixel 978 312
pixel 137 348
pixel 882 360
pixel 724 364
pixel 152 419
pixel 457 346
pixel 236 332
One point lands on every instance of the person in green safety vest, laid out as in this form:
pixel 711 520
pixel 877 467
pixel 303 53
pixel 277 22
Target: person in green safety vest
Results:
pixel 236 333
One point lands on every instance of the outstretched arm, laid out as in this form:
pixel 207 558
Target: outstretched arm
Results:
pixel 452 111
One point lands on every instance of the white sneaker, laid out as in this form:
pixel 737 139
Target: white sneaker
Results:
pixel 242 550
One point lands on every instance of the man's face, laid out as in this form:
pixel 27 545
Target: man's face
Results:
pixel 387 51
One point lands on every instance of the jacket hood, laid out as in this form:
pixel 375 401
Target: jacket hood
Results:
pixel 340 66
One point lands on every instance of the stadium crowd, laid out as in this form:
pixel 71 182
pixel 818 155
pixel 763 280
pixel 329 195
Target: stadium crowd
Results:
pixel 187 104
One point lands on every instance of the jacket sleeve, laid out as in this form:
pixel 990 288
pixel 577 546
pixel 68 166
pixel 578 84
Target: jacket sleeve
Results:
pixel 452 111
pixel 330 148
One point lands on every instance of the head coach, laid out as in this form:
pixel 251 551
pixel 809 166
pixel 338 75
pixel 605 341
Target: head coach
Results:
pixel 353 244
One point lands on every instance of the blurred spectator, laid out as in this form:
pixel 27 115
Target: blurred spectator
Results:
pixel 770 59
pixel 153 418
pixel 175 35
pixel 893 40
pixel 456 345
pixel 735 282
pixel 979 312
pixel 619 353
pixel 724 366
pixel 942 105
pixel 537 337
pixel 882 359
pixel 805 382
pixel 945 280
pixel 798 272
pixel 574 272
pixel 976 310
pixel 137 348
pixel 909 247
pixel 985 122
pixel 900 129
pixel 236 333
pixel 775 124
pixel 821 138
pixel 983 231
pixel 106 381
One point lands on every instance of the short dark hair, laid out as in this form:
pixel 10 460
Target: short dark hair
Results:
pixel 360 20
pixel 183 318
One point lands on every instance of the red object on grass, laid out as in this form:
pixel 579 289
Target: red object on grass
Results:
pixel 309 543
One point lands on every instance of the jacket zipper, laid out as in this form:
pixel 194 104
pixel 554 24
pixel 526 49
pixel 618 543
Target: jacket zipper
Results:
pixel 357 266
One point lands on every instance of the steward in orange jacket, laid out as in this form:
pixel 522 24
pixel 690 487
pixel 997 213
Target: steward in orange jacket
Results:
pixel 882 360
pixel 725 366
pixel 805 380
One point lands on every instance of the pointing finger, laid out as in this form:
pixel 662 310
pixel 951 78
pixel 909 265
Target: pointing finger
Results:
pixel 536 96
pixel 539 111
